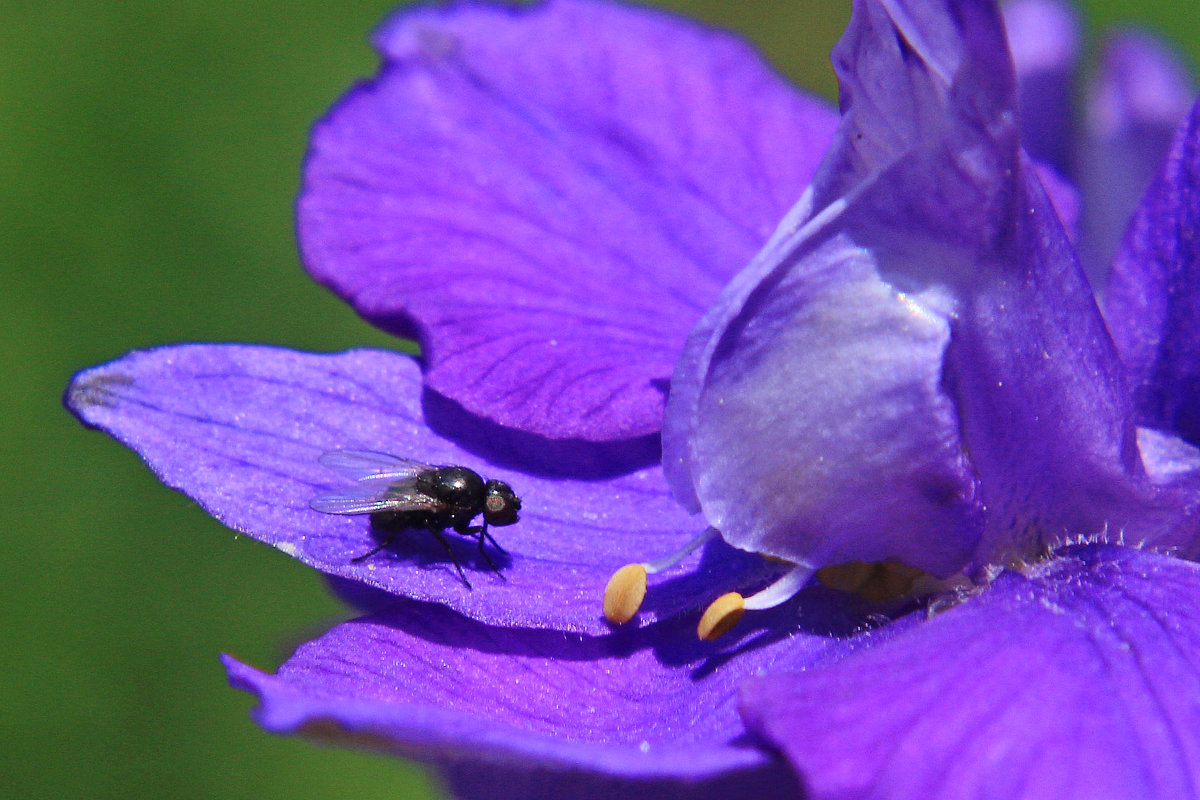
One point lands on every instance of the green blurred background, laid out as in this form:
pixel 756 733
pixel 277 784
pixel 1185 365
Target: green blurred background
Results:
pixel 149 154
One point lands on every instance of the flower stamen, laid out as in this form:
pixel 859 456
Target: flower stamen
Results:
pixel 624 594
pixel 627 587
pixel 720 617
pixel 726 611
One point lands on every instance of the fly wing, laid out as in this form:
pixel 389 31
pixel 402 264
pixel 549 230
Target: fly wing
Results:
pixel 355 500
pixel 365 465
pixel 370 497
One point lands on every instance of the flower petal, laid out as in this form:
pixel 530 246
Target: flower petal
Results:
pixel 548 197
pixel 1168 458
pixel 1137 100
pixel 239 429
pixel 920 334
pixel 1063 196
pixel 1078 680
pixel 1154 299
pixel 1043 37
pixel 652 710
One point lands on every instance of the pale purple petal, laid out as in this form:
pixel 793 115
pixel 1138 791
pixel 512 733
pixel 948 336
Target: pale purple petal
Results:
pixel 649 711
pixel 920 334
pixel 1153 301
pixel 239 429
pixel 1139 96
pixel 1077 681
pixel 800 468
pixel 1167 457
pixel 548 197
pixel 1043 36
pixel 894 70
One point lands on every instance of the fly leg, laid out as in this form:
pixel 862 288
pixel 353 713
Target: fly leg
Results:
pixel 480 533
pixel 391 535
pixel 495 544
pixel 437 534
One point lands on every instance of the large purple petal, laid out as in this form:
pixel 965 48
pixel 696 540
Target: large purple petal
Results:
pixel 1154 297
pixel 920 335
pixel 1079 680
pixel 239 429
pixel 548 198
pixel 1043 37
pixel 509 712
pixel 1136 101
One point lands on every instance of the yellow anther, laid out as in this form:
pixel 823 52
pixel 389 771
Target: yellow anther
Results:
pixel 624 594
pixel 721 616
pixel 849 577
pixel 875 581
pixel 893 581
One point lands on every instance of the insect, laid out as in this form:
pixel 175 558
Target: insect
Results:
pixel 400 494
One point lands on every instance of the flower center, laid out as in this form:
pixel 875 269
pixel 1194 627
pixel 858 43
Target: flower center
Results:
pixel 876 582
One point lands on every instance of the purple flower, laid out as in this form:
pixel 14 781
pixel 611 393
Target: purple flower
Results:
pixel 905 386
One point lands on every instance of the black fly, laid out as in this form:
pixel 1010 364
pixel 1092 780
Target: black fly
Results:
pixel 402 494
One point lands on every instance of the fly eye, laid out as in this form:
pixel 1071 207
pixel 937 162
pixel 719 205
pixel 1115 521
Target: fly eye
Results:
pixel 500 510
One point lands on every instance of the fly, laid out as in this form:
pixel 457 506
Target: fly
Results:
pixel 403 494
